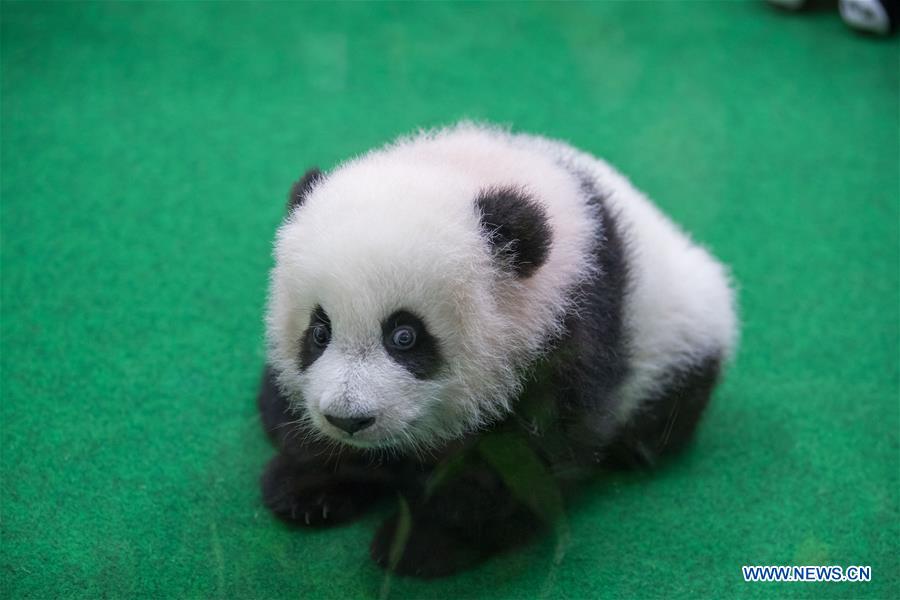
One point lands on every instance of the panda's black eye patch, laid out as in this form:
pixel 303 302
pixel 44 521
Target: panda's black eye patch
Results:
pixel 409 343
pixel 316 338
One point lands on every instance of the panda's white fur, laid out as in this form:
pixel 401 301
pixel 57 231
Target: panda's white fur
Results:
pixel 397 229
pixel 680 304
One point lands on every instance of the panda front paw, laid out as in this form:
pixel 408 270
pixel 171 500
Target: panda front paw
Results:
pixel 429 551
pixel 298 496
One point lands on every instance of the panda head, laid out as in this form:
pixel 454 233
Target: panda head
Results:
pixel 394 318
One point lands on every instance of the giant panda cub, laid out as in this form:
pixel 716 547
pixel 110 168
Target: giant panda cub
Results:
pixel 468 281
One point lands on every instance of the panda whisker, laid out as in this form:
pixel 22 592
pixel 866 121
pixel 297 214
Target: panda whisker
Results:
pixel 287 424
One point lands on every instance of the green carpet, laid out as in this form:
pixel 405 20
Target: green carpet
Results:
pixel 146 153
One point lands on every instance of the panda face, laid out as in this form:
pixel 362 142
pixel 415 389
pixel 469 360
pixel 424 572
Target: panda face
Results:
pixel 373 338
pixel 367 386
pixel 382 309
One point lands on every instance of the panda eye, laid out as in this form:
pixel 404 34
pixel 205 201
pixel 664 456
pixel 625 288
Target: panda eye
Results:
pixel 403 337
pixel 321 335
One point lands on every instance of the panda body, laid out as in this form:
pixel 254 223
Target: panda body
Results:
pixel 420 290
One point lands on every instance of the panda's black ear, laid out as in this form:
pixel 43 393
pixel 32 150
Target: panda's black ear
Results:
pixel 516 227
pixel 301 189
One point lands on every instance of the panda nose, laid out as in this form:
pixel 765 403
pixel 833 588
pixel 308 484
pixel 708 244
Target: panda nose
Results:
pixel 350 424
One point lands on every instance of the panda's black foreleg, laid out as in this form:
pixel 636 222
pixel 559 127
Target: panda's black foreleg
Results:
pixel 307 482
pixel 319 494
pixel 463 523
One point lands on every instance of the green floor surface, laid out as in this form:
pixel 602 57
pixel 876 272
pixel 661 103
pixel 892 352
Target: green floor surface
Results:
pixel 146 152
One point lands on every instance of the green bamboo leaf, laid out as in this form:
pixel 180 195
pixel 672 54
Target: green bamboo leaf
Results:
pixel 446 470
pixel 529 481
pixel 398 544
